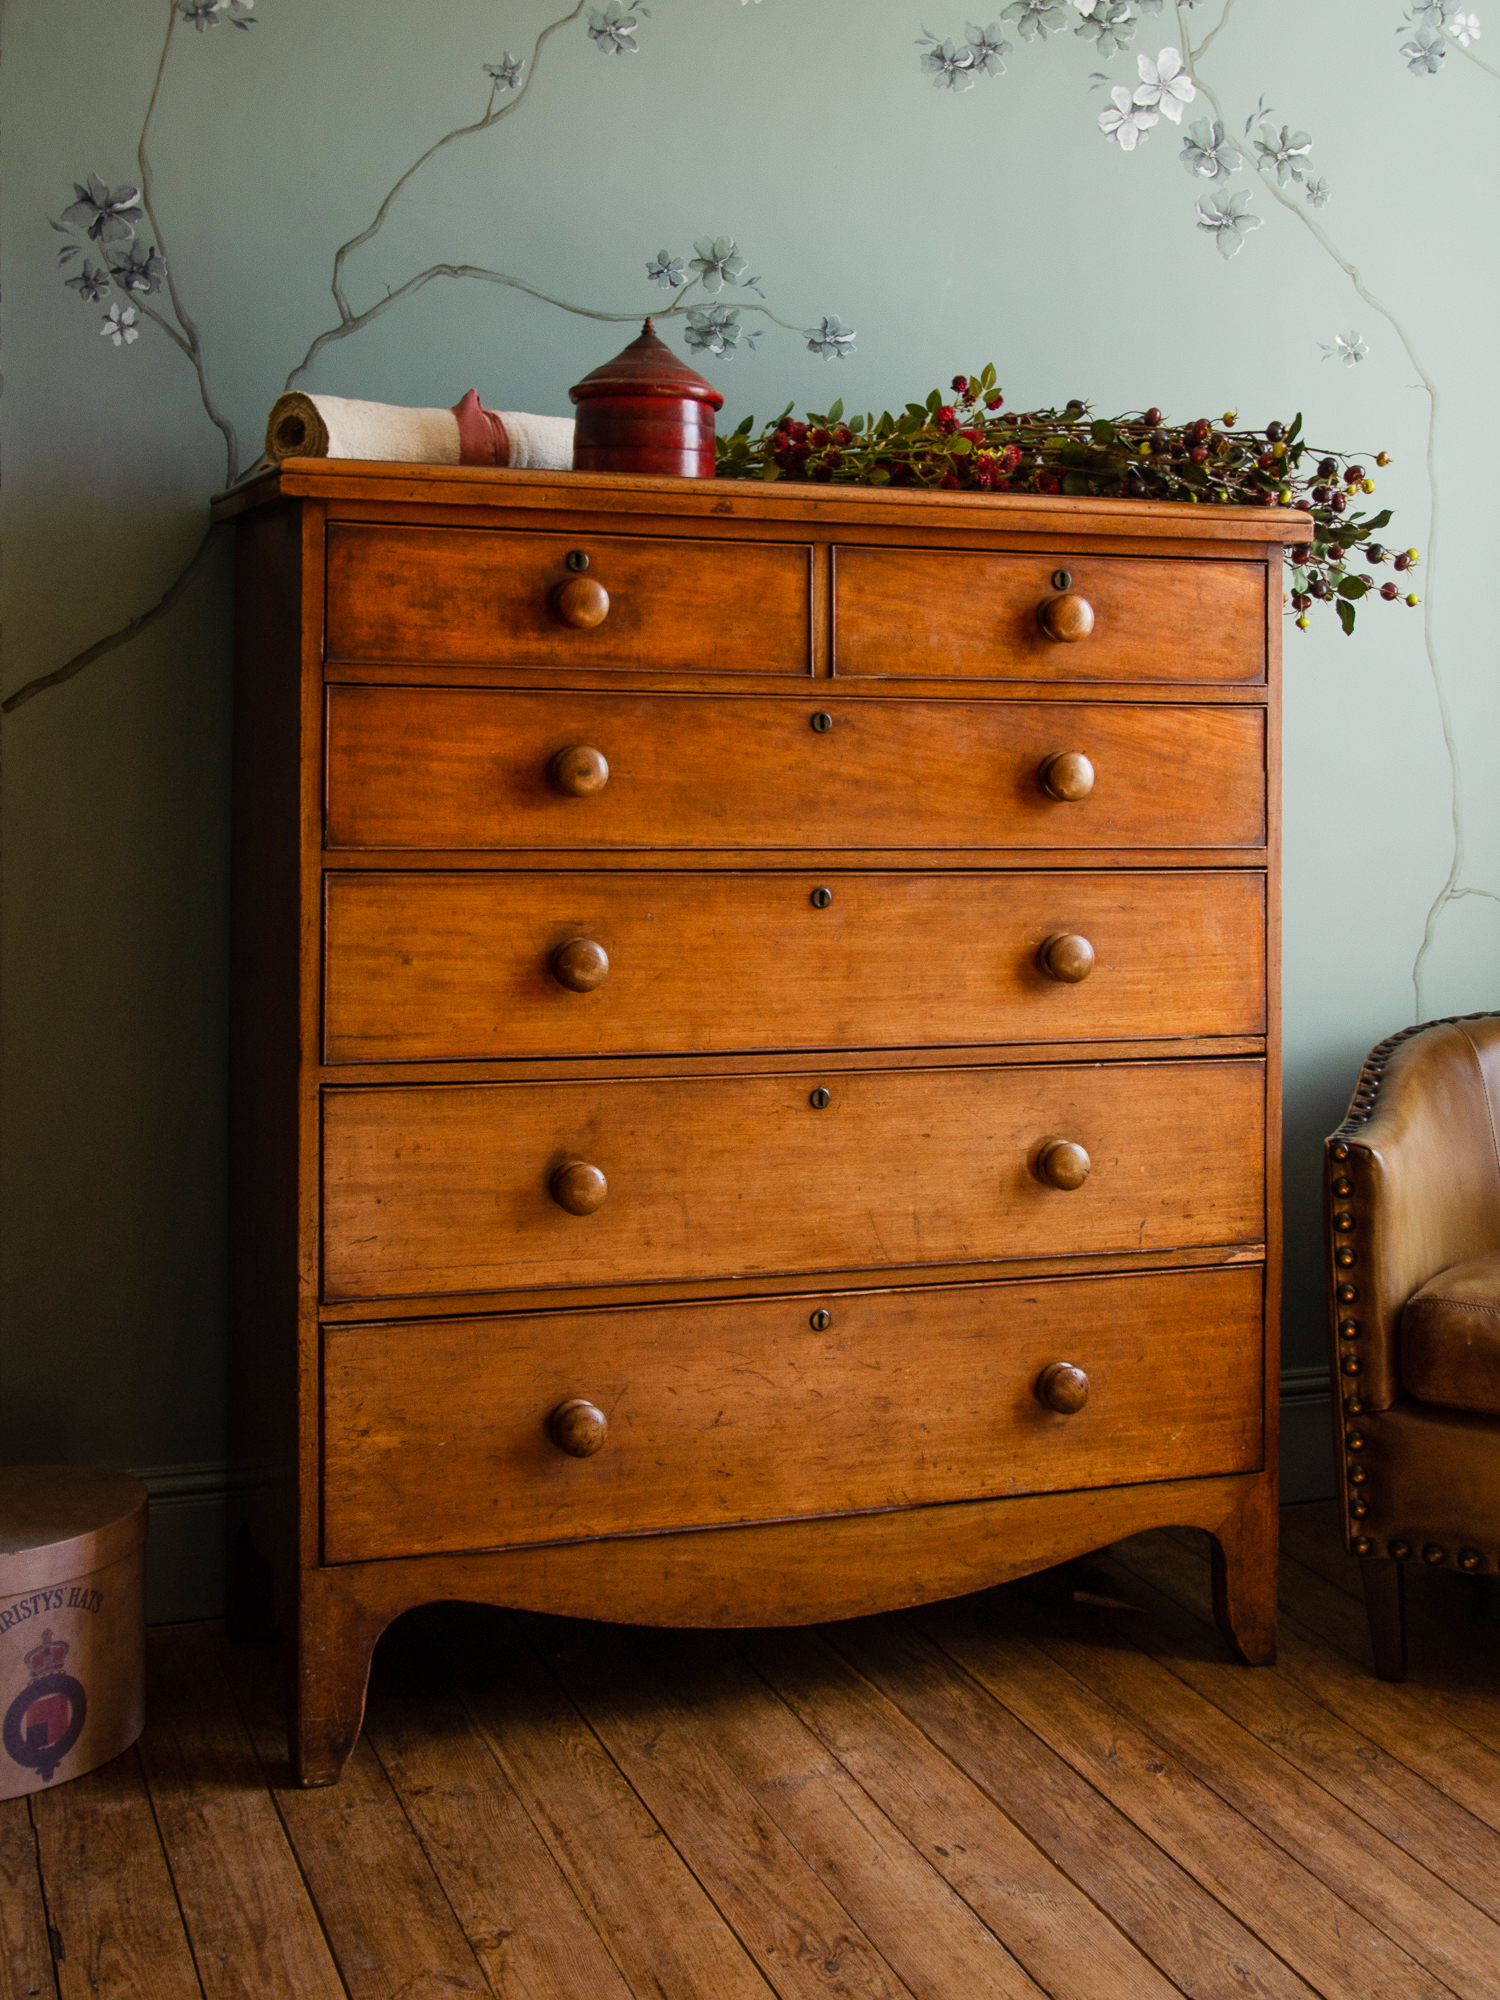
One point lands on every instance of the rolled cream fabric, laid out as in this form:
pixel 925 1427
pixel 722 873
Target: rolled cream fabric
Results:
pixel 303 426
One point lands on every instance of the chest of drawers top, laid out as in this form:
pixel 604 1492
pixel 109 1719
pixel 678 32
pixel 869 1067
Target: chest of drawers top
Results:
pixel 680 582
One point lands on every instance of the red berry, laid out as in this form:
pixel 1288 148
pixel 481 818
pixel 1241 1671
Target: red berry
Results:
pixel 1275 431
pixel 819 438
pixel 1390 592
pixel 993 402
pixel 1354 475
pixel 960 385
pixel 1302 554
pixel 1327 467
pixel 1337 503
pixel 1335 552
pixel 1199 454
pixel 1153 416
pixel 949 479
pixel 1403 561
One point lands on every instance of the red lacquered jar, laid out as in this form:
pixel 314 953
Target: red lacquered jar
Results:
pixel 645 411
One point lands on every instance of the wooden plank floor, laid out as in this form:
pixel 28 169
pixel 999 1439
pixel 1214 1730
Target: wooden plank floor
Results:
pixel 1022 1793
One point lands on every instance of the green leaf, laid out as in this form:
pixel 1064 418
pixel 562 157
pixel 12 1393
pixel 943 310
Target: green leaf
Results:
pixel 1293 430
pixel 960 447
pixel 987 378
pixel 1354 586
pixel 836 412
pixel 880 477
pixel 1102 431
pixel 1074 482
pixel 857 424
pixel 1346 617
pixel 933 404
pixel 787 411
pixel 744 428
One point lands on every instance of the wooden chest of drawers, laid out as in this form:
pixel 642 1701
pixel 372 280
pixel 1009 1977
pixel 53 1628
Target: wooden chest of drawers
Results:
pixel 762 1105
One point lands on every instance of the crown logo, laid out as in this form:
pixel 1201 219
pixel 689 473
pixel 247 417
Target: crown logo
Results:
pixel 47 1658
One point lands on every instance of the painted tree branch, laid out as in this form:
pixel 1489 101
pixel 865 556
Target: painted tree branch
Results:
pixel 491 117
pixel 1453 887
pixel 192 344
pixel 114 640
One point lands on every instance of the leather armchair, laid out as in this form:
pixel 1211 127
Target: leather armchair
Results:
pixel 1413 1229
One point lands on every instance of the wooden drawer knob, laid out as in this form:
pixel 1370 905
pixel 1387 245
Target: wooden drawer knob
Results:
pixel 578 1187
pixel 1062 1387
pixel 1067 957
pixel 1068 775
pixel 582 602
pixel 577 1427
pixel 579 771
pixel 581 965
pixel 1064 1165
pixel 1067 618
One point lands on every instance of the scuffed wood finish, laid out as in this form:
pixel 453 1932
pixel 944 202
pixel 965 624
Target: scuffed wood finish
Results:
pixel 25 1955
pixel 116 1927
pixel 930 612
pixel 248 1915
pixel 540 845
pixel 434 967
pixel 433 768
pixel 444 1189
pixel 1024 1794
pixel 733 1413
pixel 431 595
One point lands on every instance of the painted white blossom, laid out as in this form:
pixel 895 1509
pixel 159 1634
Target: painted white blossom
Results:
pixel 1464 28
pixel 1347 347
pixel 1424 52
pixel 1207 154
pixel 1165 85
pixel 119 326
pixel 1128 122
pixel 1317 193
pixel 1224 217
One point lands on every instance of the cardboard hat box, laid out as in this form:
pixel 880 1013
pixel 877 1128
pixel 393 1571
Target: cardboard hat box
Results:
pixel 72 1621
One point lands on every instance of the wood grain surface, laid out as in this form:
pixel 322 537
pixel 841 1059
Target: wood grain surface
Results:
pixel 444 966
pixel 435 594
pixel 436 767
pixel 743 1412
pixel 446 1189
pixel 917 612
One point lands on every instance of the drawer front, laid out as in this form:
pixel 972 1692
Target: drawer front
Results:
pixel 447 1188
pixel 474 594
pixel 942 613
pixel 472 768
pixel 435 1435
pixel 449 966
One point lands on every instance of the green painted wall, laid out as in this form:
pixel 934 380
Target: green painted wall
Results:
pixel 946 227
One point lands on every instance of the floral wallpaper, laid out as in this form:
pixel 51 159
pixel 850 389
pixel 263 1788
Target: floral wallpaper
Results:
pixel 1261 205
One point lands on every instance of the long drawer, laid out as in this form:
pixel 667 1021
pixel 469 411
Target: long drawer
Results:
pixel 475 594
pixel 970 616
pixel 453 1188
pixel 436 1434
pixel 434 768
pixel 450 965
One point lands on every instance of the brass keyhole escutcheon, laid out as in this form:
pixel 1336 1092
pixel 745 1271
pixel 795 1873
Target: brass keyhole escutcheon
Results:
pixel 1062 579
pixel 577 560
pixel 579 771
pixel 822 721
pixel 821 898
pixel 578 1427
pixel 820 1099
pixel 820 1321
pixel 1063 1388
pixel 580 965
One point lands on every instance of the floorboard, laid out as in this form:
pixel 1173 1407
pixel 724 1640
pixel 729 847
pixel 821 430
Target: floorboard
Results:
pixel 1064 1788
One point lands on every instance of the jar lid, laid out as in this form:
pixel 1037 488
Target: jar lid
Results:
pixel 60 1521
pixel 647 367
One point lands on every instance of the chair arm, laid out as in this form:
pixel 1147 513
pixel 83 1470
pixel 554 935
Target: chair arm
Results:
pixel 1412 1186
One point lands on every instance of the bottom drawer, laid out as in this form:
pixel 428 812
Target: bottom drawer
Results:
pixel 436 1435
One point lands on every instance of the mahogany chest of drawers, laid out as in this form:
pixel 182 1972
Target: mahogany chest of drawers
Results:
pixel 754 1048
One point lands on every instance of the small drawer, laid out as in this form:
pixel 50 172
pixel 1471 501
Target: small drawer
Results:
pixel 436 595
pixel 948 614
pixel 434 768
pixel 446 966
pixel 437 1435
pixel 454 1188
